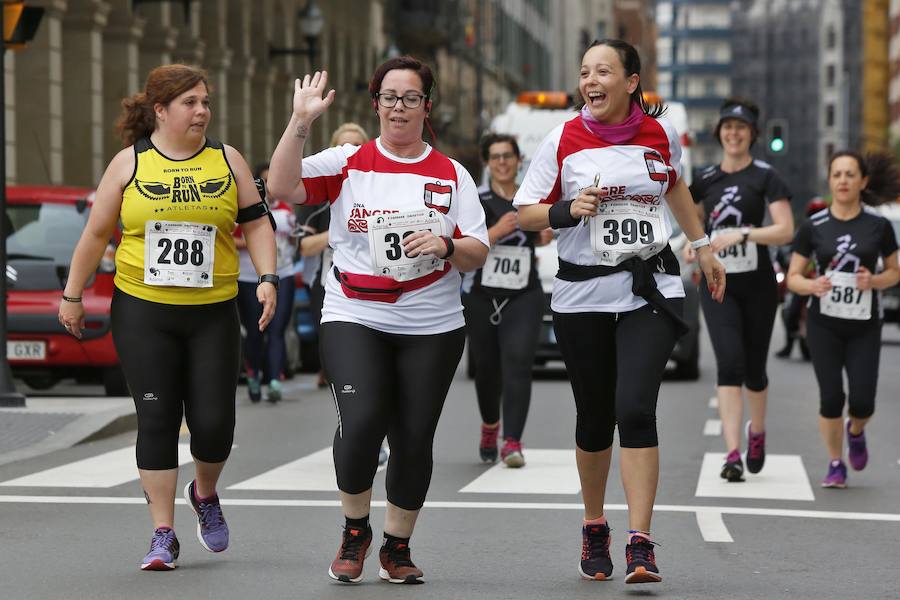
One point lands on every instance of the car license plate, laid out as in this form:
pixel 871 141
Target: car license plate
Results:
pixel 26 350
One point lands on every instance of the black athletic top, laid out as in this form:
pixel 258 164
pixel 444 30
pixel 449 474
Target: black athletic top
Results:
pixel 495 207
pixel 844 247
pixel 319 218
pixel 741 198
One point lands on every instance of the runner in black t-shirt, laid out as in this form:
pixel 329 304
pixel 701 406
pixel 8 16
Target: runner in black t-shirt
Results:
pixel 844 323
pixel 734 197
pixel 504 305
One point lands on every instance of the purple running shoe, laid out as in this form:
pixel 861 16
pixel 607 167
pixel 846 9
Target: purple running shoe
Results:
pixel 859 454
pixel 756 450
pixel 837 475
pixel 164 550
pixel 212 530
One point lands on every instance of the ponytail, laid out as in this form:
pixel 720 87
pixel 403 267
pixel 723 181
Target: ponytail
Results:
pixel 137 119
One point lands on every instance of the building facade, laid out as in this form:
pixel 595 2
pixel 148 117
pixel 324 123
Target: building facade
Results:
pixel 694 62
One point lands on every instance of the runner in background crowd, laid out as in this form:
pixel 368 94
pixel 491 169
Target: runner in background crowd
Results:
pixel 405 221
pixel 734 198
pixel 504 306
pixel 265 352
pixel 174 316
pixel 601 179
pixel 846 242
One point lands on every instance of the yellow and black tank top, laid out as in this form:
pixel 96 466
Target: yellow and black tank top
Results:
pixel 200 189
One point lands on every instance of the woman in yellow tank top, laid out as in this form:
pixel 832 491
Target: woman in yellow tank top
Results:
pixel 174 316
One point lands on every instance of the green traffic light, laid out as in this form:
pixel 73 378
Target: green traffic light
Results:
pixel 776 145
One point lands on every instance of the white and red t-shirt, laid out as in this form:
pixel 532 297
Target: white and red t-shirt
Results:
pixel 285 244
pixel 635 176
pixel 361 181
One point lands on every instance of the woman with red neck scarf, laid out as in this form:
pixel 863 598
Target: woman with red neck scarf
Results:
pixel 602 179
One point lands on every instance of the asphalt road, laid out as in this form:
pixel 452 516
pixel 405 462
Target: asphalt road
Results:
pixel 486 532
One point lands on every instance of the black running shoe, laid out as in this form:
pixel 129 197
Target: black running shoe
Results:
pixel 733 469
pixel 641 561
pixel 756 450
pixel 595 561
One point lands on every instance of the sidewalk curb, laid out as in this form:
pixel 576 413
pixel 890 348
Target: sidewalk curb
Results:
pixel 87 428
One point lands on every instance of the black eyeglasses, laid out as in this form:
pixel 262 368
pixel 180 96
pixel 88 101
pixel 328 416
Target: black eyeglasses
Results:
pixel 409 100
pixel 502 156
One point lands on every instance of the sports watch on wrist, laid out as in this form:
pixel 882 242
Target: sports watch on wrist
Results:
pixel 270 278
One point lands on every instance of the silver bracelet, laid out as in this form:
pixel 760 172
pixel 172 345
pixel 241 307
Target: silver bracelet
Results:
pixel 697 244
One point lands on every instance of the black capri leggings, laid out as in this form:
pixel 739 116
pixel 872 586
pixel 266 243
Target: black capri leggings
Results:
pixel 504 353
pixel 179 360
pixel 740 328
pixel 387 384
pixel 615 362
pixel 839 344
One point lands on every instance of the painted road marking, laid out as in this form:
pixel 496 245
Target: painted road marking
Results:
pixel 712 527
pixel 312 473
pixel 714 402
pixel 713 427
pixel 783 478
pixel 546 472
pixel 102 471
pixel 576 506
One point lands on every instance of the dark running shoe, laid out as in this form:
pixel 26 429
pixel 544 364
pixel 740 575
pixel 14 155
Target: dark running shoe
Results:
pixel 858 454
pixel 347 566
pixel 595 561
pixel 254 389
pixel 756 450
pixel 396 564
pixel 837 475
pixel 733 469
pixel 487 449
pixel 641 561
pixel 212 530
pixel 164 550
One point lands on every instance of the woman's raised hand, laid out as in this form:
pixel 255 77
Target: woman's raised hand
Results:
pixel 308 100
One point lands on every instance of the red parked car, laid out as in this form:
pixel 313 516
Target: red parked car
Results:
pixel 43 225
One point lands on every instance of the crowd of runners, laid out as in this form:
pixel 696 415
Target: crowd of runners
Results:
pixel 407 258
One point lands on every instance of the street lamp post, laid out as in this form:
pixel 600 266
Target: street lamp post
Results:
pixel 311 24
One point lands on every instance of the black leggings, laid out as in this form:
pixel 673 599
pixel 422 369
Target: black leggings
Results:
pixel 839 344
pixel 504 353
pixel 179 360
pixel 265 347
pixel 387 384
pixel 740 328
pixel 615 362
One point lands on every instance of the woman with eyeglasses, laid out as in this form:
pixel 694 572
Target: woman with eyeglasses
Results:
pixel 405 220
pixel 504 304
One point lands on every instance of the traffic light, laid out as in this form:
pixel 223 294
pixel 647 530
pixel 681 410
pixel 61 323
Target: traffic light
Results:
pixel 776 136
pixel 20 23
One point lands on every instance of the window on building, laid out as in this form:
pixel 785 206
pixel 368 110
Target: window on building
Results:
pixel 829 75
pixel 829 115
pixel 830 37
pixel 710 86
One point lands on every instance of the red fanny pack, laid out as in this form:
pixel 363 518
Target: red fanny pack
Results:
pixel 383 289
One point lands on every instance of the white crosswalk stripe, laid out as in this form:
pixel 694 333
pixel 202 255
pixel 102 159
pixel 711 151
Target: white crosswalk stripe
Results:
pixel 546 472
pixel 102 471
pixel 783 478
pixel 312 473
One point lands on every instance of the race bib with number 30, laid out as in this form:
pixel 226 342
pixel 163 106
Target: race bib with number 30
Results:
pixel 845 300
pixel 507 267
pixel 179 254
pixel 387 231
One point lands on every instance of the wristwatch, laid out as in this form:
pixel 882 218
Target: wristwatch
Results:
pixel 270 278
pixel 745 232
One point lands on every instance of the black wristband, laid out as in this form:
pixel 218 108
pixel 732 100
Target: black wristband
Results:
pixel 450 247
pixel 270 278
pixel 71 298
pixel 560 215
